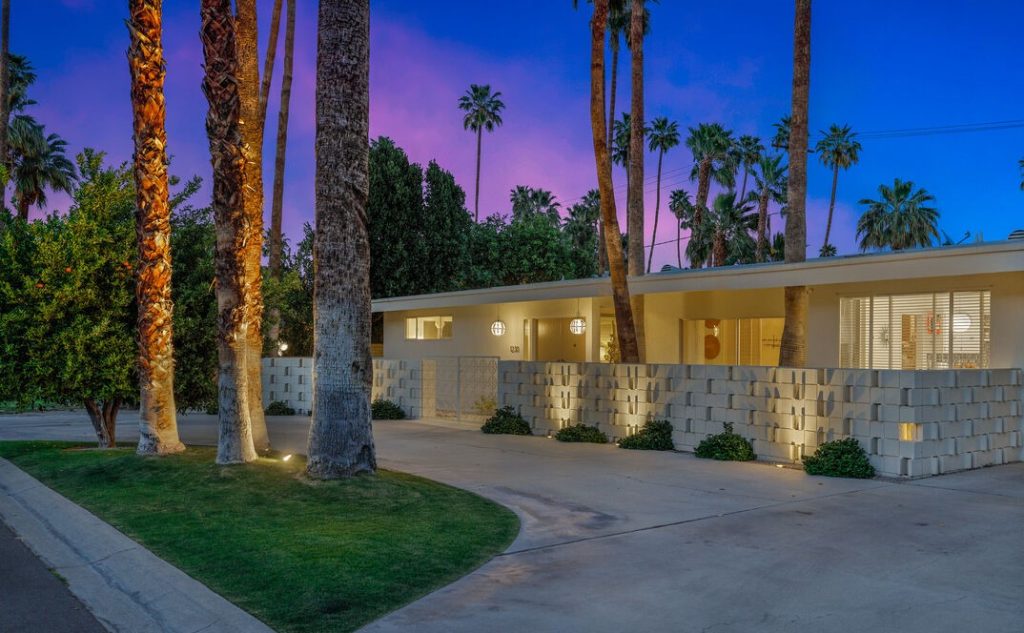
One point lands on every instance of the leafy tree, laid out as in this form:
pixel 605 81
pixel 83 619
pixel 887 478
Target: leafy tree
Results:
pixel 484 245
pixel 395 209
pixel 289 300
pixel 837 148
pixel 533 251
pixel 663 136
pixel 483 112
pixel 901 218
pixel 723 236
pixel 444 248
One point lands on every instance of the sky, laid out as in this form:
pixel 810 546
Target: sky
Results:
pixel 876 65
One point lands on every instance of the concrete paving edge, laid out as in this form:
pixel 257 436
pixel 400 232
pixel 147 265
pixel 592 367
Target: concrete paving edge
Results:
pixel 123 584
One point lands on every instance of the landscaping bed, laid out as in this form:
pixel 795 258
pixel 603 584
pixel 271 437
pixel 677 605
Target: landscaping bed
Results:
pixel 297 554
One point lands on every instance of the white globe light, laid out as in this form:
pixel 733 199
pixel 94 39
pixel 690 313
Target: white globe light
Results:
pixel 498 328
pixel 961 322
pixel 578 325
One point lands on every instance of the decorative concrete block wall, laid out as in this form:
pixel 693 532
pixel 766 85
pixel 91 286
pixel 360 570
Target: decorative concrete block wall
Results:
pixel 290 380
pixel 911 423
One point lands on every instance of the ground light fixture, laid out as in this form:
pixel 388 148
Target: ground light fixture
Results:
pixel 282 347
pixel 286 457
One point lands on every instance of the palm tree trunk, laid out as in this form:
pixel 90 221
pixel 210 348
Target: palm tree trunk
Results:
pixel 793 351
pixel 268 64
pixel 252 200
pixel 341 437
pixel 624 326
pixel 23 205
pixel 718 251
pixel 657 210
pixel 277 205
pixel 743 190
pixel 635 209
pixel 762 227
pixel 5 80
pixel 613 88
pixel 679 242
pixel 703 190
pixel 228 157
pixel 476 196
pixel 158 424
pixel 831 203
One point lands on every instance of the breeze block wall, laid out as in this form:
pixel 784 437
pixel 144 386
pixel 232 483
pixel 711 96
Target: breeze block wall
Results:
pixel 290 380
pixel 911 423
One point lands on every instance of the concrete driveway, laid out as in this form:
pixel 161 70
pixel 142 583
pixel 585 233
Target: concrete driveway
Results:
pixel 616 540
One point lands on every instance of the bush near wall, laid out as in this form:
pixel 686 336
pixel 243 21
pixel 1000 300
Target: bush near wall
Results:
pixel 581 433
pixel 840 458
pixel 506 421
pixel 278 407
pixel 656 435
pixel 381 409
pixel 726 446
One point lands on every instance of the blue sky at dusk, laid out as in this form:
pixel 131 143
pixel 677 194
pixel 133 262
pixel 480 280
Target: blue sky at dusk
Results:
pixel 876 65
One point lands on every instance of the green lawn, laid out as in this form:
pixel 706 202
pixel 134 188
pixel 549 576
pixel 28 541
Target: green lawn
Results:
pixel 299 555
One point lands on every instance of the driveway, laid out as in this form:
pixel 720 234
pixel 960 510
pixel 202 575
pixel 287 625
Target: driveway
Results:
pixel 616 540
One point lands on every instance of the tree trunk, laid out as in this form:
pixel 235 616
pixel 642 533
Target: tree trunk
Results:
pixel 476 195
pixel 341 437
pixel 831 204
pixel 613 88
pixel 635 214
pixel 5 80
pixel 277 210
pixel 718 251
pixel 679 242
pixel 762 227
pixel 613 243
pixel 103 416
pixel 228 157
pixel 246 43
pixel 158 424
pixel 23 204
pixel 703 190
pixel 794 333
pixel 268 64
pixel 657 210
pixel 743 190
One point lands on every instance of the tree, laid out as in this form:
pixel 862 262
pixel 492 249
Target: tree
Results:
pixel 277 208
pixel 227 155
pixel 580 231
pixel 443 254
pixel 528 201
pixel 341 439
pixel 289 300
pixel 664 135
pixel 793 352
pixel 901 218
pixel 395 215
pixel 781 139
pixel 747 151
pixel 711 145
pixel 681 206
pixel 39 164
pixel 5 81
pixel 727 229
pixel 483 112
pixel 770 186
pixel 533 250
pixel 837 148
pixel 638 132
pixel 158 423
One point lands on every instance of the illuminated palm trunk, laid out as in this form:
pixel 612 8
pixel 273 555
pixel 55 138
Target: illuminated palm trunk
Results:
pixel 220 84
pixel 341 438
pixel 158 426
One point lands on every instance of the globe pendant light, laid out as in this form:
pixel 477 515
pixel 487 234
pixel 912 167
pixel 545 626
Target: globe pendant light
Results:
pixel 578 325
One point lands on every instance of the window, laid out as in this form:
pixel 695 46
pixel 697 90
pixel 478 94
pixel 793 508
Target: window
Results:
pixel 745 341
pixel 428 328
pixel 942 330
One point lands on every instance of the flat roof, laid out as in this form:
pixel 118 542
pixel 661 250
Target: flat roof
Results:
pixel 942 261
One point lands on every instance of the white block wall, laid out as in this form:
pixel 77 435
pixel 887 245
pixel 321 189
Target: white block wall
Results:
pixel 911 423
pixel 290 380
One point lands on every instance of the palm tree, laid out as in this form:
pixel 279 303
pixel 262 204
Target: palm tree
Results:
pixel 793 349
pixel 5 81
pixel 483 112
pixel 580 229
pixel 899 219
pixel 781 139
pixel 635 195
pixel 277 205
pixel 341 437
pixel 268 63
pixel 228 156
pixel 710 144
pixel 770 186
pixel 837 148
pixel 527 202
pixel 747 150
pixel 728 225
pixel 680 205
pixel 158 424
pixel 39 163
pixel 664 135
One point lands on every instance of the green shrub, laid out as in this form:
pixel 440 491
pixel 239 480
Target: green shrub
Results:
pixel 840 458
pixel 656 435
pixel 381 409
pixel 581 433
pixel 726 446
pixel 507 422
pixel 279 408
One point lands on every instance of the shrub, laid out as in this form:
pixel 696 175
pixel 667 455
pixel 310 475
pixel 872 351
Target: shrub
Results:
pixel 382 409
pixel 840 458
pixel 726 446
pixel 506 421
pixel 656 435
pixel 279 408
pixel 581 433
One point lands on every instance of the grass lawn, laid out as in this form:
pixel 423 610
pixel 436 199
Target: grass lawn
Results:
pixel 299 555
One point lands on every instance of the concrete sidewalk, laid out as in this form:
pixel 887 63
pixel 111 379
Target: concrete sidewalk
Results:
pixel 124 585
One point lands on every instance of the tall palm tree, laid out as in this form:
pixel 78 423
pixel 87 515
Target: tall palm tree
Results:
pixel 39 163
pixel 727 226
pixel 664 135
pixel 680 205
pixel 341 438
pixel 527 201
pixel 483 112
pixel 158 423
pixel 836 148
pixel 901 218
pixel 5 81
pixel 268 62
pixel 770 185
pixel 277 205
pixel 710 144
pixel 228 156
pixel 246 44
pixel 747 150
pixel 793 349
pixel 780 140
pixel 635 196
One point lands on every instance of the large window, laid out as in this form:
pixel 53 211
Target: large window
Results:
pixel 941 330
pixel 754 341
pixel 428 328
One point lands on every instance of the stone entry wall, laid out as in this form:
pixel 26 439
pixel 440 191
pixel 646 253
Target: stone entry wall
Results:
pixel 911 423
pixel 289 379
